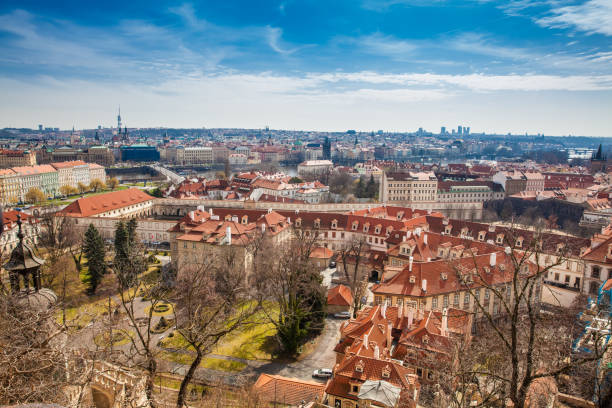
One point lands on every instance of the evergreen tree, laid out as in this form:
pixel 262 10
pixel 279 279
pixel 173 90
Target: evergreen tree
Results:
pixel 94 251
pixel 360 188
pixel 129 263
pixel 507 210
pixel 370 189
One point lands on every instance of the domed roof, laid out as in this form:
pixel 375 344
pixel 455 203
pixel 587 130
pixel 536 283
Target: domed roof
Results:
pixel 40 300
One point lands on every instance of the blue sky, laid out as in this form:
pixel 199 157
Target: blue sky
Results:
pixel 497 66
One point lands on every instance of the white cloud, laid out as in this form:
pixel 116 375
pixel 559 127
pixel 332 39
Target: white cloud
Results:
pixel 273 36
pixel 187 12
pixel 593 16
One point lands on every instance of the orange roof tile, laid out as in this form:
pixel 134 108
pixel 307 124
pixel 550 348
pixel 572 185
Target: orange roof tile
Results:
pixel 339 296
pixel 101 203
pixel 287 391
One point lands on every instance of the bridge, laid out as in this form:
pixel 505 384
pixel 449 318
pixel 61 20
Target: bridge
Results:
pixel 169 174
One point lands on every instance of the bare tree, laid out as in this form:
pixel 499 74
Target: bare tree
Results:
pixel 213 298
pixel 131 284
pixel 285 274
pixel 518 346
pixel 352 259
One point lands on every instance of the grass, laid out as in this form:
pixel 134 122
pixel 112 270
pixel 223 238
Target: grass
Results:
pixel 69 199
pixel 120 337
pixel 155 313
pixel 251 342
pixel 176 384
pixel 211 363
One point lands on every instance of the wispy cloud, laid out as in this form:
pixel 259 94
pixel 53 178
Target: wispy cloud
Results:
pixel 593 17
pixel 274 38
pixel 187 12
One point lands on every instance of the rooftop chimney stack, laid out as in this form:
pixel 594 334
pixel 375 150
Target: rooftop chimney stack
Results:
pixel 444 328
pixel 493 259
pixel 410 259
pixel 424 285
pixel 425 238
pixel 376 352
pixel 228 235
pixel 410 317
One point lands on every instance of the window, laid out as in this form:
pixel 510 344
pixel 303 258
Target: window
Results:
pixel 466 300
pixel 355 389
pixel 456 300
pixel 567 279
pixel 434 302
pixel 595 272
pixel 445 300
pixel 556 276
pixel 419 372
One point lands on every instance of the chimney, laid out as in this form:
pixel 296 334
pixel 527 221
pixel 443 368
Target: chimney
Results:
pixel 493 259
pixel 211 212
pixel 425 239
pixel 410 317
pixel 376 352
pixel 389 329
pixel 404 238
pixel 444 328
pixel 228 235
pixel 288 220
pixel 383 310
pixel 192 215
pixel 263 228
pixel 424 285
pixel 508 250
pixel 365 341
pixel 410 259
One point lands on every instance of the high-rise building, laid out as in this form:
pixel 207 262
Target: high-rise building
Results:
pixel 119 120
pixel 466 130
pixel 443 130
pixel 40 128
pixel 327 149
pixel 460 129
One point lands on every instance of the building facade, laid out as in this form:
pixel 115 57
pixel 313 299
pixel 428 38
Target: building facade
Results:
pixel 408 187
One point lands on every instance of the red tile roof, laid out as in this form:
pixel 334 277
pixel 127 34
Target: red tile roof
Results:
pixel 287 391
pixel 102 203
pixel 340 296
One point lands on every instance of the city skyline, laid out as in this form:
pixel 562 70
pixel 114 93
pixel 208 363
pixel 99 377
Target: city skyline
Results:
pixel 520 66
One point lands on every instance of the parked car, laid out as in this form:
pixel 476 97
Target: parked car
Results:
pixel 322 373
pixel 342 315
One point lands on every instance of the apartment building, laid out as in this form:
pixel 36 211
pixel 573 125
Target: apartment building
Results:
pixel 408 187
pixel 469 191
pixel 512 181
pixel 42 176
pixel 10 187
pixel 313 168
pixel 9 239
pixel 14 158
pixel 195 155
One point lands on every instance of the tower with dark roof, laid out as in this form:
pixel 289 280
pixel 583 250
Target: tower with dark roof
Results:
pixel 23 265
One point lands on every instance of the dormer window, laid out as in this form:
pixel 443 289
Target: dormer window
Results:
pixel 443 276
pixel 386 372
pixel 228 217
pixel 519 242
pixel 499 239
pixel 412 279
pixel 298 222
pixel 425 339
pixel 355 225
pixel 317 223
pixel 481 235
pixel 389 230
pixel 447 229
pixel 334 224
pixel 464 231
pixel 366 227
pixel 560 247
pixel 377 229
pixel 359 366
pixel 245 219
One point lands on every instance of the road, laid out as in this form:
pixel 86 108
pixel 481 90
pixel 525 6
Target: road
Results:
pixel 323 356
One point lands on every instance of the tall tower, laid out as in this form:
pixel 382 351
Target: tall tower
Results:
pixel 119 120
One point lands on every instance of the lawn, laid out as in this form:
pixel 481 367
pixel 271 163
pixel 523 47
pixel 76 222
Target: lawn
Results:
pixel 69 199
pixel 212 363
pixel 252 342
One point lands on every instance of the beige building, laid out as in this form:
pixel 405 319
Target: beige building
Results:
pixel 10 187
pixel 408 187
pixel 13 158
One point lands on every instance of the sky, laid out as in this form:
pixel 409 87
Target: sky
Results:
pixel 537 66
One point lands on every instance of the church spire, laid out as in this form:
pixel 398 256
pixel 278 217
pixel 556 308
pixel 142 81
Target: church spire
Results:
pixel 119 119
